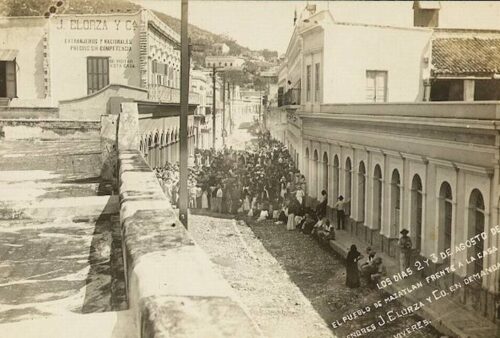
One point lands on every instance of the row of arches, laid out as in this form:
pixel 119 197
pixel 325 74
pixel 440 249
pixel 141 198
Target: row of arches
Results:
pixel 318 175
pixel 161 147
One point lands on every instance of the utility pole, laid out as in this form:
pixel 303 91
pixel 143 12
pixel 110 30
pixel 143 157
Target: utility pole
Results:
pixel 213 107
pixel 223 109
pixel 183 167
pixel 260 105
pixel 230 99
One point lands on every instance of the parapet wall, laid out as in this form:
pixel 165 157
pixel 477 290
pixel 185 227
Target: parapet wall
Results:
pixel 173 290
pixel 17 129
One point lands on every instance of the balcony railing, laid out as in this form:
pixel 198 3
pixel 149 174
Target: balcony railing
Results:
pixel 291 97
pixel 170 95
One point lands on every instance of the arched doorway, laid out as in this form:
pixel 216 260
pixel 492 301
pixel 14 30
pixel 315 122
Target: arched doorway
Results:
pixel 306 171
pixel 361 191
pixel 336 177
pixel 315 176
pixel 445 217
pixel 162 149
pixel 395 203
pixel 377 197
pixel 416 211
pixel 476 226
pixel 348 184
pixel 150 150
pixel 325 172
pixel 177 146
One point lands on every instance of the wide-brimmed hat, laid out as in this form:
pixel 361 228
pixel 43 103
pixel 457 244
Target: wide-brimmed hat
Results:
pixel 404 232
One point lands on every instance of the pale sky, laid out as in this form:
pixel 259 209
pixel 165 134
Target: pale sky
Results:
pixel 269 24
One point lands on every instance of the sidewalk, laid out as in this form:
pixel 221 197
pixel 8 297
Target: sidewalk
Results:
pixel 447 316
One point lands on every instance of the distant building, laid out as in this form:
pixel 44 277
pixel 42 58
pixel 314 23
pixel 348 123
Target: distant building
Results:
pixel 220 61
pixel 66 57
pixel 220 48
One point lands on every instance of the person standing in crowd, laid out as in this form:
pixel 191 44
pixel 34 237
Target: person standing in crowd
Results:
pixel 218 199
pixel 340 208
pixel 213 198
pixel 292 210
pixel 199 192
pixel 303 184
pixel 204 199
pixel 299 194
pixel 405 248
pixel 246 200
pixel 192 197
pixel 352 270
pixel 321 207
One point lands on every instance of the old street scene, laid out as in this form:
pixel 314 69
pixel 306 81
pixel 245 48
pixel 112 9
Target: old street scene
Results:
pixel 232 169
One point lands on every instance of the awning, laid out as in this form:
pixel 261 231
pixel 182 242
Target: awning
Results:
pixel 8 54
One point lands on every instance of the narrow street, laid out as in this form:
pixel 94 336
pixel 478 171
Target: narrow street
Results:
pixel 289 284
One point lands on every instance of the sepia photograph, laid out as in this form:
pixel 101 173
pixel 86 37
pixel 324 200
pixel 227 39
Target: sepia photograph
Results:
pixel 241 169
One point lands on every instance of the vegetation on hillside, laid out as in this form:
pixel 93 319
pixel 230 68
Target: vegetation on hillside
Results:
pixel 202 40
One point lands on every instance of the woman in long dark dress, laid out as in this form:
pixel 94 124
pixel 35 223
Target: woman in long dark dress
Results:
pixel 352 271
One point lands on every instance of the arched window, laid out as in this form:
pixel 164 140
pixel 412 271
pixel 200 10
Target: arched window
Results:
pixel 395 203
pixel 361 191
pixel 476 226
pixel 445 217
pixel 325 172
pixel 377 197
pixel 416 211
pixel 315 176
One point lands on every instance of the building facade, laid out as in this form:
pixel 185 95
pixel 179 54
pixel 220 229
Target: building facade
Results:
pixel 356 119
pixel 66 57
pixel 224 61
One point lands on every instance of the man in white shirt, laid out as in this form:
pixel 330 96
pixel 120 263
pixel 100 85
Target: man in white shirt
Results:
pixel 340 207
pixel 299 194
pixel 219 199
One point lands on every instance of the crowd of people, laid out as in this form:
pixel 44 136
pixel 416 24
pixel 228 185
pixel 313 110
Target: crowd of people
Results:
pixel 263 183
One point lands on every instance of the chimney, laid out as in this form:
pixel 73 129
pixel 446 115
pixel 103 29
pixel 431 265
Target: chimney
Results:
pixel 426 13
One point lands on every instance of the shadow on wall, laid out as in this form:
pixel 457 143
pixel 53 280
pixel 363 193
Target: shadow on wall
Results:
pixel 39 71
pixel 105 284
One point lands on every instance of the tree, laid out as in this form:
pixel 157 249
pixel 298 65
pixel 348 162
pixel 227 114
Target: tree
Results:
pixel 24 7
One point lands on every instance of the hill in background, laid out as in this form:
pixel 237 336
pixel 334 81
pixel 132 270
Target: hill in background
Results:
pixel 256 61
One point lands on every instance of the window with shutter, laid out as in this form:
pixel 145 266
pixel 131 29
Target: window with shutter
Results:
pixel 97 73
pixel 316 83
pixel 376 86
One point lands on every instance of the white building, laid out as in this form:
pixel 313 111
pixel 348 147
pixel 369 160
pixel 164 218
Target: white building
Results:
pixel 224 61
pixel 220 48
pixel 353 118
pixel 68 57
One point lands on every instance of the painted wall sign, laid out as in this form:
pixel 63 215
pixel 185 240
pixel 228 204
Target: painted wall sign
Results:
pixel 96 24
